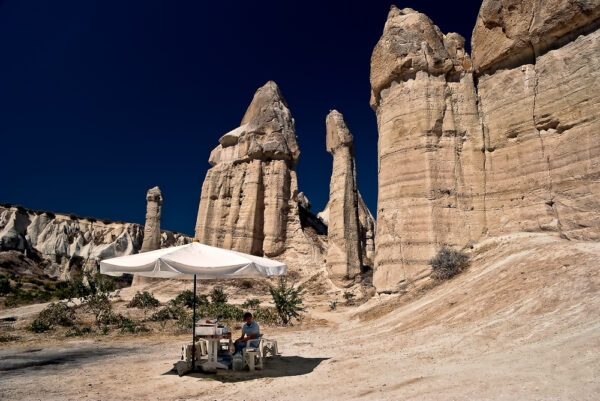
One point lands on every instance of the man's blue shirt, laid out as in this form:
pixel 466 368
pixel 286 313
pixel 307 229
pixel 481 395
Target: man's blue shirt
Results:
pixel 252 329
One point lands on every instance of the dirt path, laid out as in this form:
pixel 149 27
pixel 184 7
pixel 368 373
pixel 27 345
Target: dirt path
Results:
pixel 522 323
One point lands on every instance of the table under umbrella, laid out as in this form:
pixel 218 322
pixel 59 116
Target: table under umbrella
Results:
pixel 193 261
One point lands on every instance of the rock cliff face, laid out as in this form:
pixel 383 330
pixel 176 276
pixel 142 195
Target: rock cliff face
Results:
pixel 343 244
pixel 430 161
pixel 538 69
pixel 249 198
pixel 72 244
pixel 508 145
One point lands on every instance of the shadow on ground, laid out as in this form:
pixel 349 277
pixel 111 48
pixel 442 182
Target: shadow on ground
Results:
pixel 37 359
pixel 274 367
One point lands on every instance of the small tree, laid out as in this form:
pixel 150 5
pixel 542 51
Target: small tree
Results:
pixel 218 296
pixel 288 300
pixel 448 263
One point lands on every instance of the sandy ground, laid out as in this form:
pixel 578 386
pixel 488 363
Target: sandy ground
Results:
pixel 521 323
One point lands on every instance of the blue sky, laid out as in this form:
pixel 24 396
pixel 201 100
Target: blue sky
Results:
pixel 102 100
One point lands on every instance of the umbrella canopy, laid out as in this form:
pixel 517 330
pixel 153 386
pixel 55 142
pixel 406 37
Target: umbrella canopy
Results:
pixel 185 261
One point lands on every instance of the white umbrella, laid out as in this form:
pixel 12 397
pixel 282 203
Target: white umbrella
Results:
pixel 193 260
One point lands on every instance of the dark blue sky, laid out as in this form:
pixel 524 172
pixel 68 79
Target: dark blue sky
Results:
pixel 101 100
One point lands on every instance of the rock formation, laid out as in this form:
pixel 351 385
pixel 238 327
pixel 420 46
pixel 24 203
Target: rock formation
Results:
pixel 249 198
pixel 343 245
pixel 70 243
pixel 538 71
pixel 152 237
pixel 508 145
pixel 152 227
pixel 367 229
pixel 430 160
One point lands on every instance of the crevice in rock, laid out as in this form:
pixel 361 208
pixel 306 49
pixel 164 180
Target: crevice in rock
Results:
pixel 551 201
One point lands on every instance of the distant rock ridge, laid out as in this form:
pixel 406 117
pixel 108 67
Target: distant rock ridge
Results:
pixel 73 244
pixel 515 149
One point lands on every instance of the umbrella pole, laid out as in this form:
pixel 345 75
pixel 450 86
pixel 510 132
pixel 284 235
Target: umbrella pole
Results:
pixel 194 327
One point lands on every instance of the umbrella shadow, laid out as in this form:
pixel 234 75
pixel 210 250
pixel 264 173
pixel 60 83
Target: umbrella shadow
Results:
pixel 282 366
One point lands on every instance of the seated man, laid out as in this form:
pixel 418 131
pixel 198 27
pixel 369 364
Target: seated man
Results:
pixel 250 331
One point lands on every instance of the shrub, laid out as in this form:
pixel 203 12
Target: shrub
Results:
pixel 21 209
pixel 50 214
pixel 333 305
pixel 267 315
pixel 143 300
pixel 186 298
pixel 6 205
pixel 106 221
pixel 288 300
pixel 246 284
pixel 222 311
pixel 39 327
pixel 348 296
pixel 78 331
pixel 251 304
pixel 5 287
pixel 55 314
pixel 448 263
pixel 73 216
pixel 218 296
pixel 91 219
pixel 99 305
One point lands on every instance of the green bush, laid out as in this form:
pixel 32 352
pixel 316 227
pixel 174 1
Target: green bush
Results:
pixel 5 287
pixel 218 296
pixel 448 263
pixel 78 331
pixel 99 305
pixel 55 314
pixel 333 305
pixel 288 300
pixel 39 326
pixel 222 311
pixel 251 304
pixel 186 298
pixel 348 296
pixel 143 300
pixel 266 315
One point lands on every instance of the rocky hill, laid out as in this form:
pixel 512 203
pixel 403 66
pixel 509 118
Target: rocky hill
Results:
pixel 68 244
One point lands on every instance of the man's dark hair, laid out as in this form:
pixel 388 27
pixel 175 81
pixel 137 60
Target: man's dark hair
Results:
pixel 247 315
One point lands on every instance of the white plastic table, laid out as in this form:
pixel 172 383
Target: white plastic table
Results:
pixel 214 342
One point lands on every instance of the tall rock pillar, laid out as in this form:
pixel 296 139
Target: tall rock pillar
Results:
pixel 343 249
pixel 430 179
pixel 153 213
pixel 151 228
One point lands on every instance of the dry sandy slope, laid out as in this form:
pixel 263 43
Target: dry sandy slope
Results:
pixel 521 323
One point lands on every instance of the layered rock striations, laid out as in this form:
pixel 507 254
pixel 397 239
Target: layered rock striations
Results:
pixel 431 182
pixel 538 71
pixel 509 144
pixel 69 243
pixel 343 246
pixel 249 198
